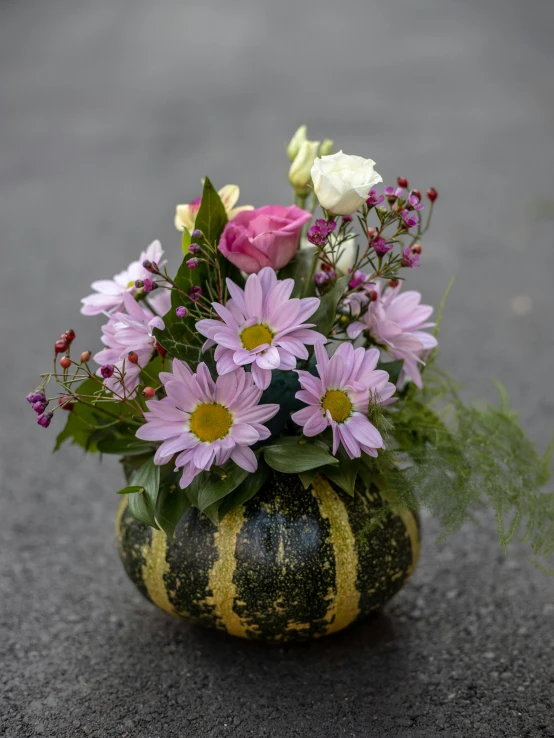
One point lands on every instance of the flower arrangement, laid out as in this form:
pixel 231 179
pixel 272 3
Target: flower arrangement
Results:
pixel 287 342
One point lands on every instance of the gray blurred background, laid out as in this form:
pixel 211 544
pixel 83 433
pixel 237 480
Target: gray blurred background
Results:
pixel 111 113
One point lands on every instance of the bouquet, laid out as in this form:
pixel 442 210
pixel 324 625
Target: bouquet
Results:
pixel 287 342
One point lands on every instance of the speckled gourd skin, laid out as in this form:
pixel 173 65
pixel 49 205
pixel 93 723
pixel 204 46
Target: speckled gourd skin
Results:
pixel 289 565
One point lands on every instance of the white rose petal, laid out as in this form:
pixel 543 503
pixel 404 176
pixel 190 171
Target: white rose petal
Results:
pixel 342 182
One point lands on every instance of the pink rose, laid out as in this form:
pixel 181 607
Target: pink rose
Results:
pixel 265 237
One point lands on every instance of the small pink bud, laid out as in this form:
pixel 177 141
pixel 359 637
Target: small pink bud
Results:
pixel 61 346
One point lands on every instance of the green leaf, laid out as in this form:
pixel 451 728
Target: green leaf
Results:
pixel 245 491
pixel 172 504
pixel 284 385
pixel 217 487
pixel 130 490
pixel 365 471
pixel 232 272
pixel 175 339
pixel 185 242
pixel 300 269
pixel 151 372
pixel 324 317
pixel 126 445
pixel 131 463
pixel 393 368
pixel 141 509
pixel 307 477
pixel 344 473
pixel 211 217
pixel 292 455
pixel 148 476
pixel 142 506
pixel 180 338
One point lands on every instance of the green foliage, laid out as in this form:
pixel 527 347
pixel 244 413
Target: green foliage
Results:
pixel 223 489
pixel 457 459
pixel 171 505
pixel 155 497
pixel 142 505
pixel 300 269
pixel 179 336
pixel 211 217
pixel 245 491
pixel 324 317
pixel 344 473
pixel 284 385
pixel 130 490
pixel 295 454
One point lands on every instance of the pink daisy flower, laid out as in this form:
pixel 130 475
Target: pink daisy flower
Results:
pixel 206 422
pixel 340 398
pixel 397 320
pixel 108 293
pixel 125 332
pixel 261 326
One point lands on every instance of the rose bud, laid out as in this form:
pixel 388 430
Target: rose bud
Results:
pixel 69 336
pixel 402 182
pixel 432 194
pixel 85 356
pixel 65 361
pixel 148 392
pixel 416 248
pixel 394 282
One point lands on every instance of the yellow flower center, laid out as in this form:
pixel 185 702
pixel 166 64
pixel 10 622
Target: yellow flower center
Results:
pixel 338 404
pixel 130 284
pixel 255 336
pixel 210 421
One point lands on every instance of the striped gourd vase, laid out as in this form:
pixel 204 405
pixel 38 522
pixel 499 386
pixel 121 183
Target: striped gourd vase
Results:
pixel 289 565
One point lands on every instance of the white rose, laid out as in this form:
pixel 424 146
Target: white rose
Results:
pixel 342 182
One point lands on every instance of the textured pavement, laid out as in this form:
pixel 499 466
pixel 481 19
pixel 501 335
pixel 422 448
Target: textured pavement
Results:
pixel 111 112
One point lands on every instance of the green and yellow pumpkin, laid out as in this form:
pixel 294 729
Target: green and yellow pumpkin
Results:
pixel 290 564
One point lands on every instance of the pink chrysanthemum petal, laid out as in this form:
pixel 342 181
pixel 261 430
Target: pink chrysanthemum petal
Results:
pixel 254 324
pixel 206 422
pixel 340 398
